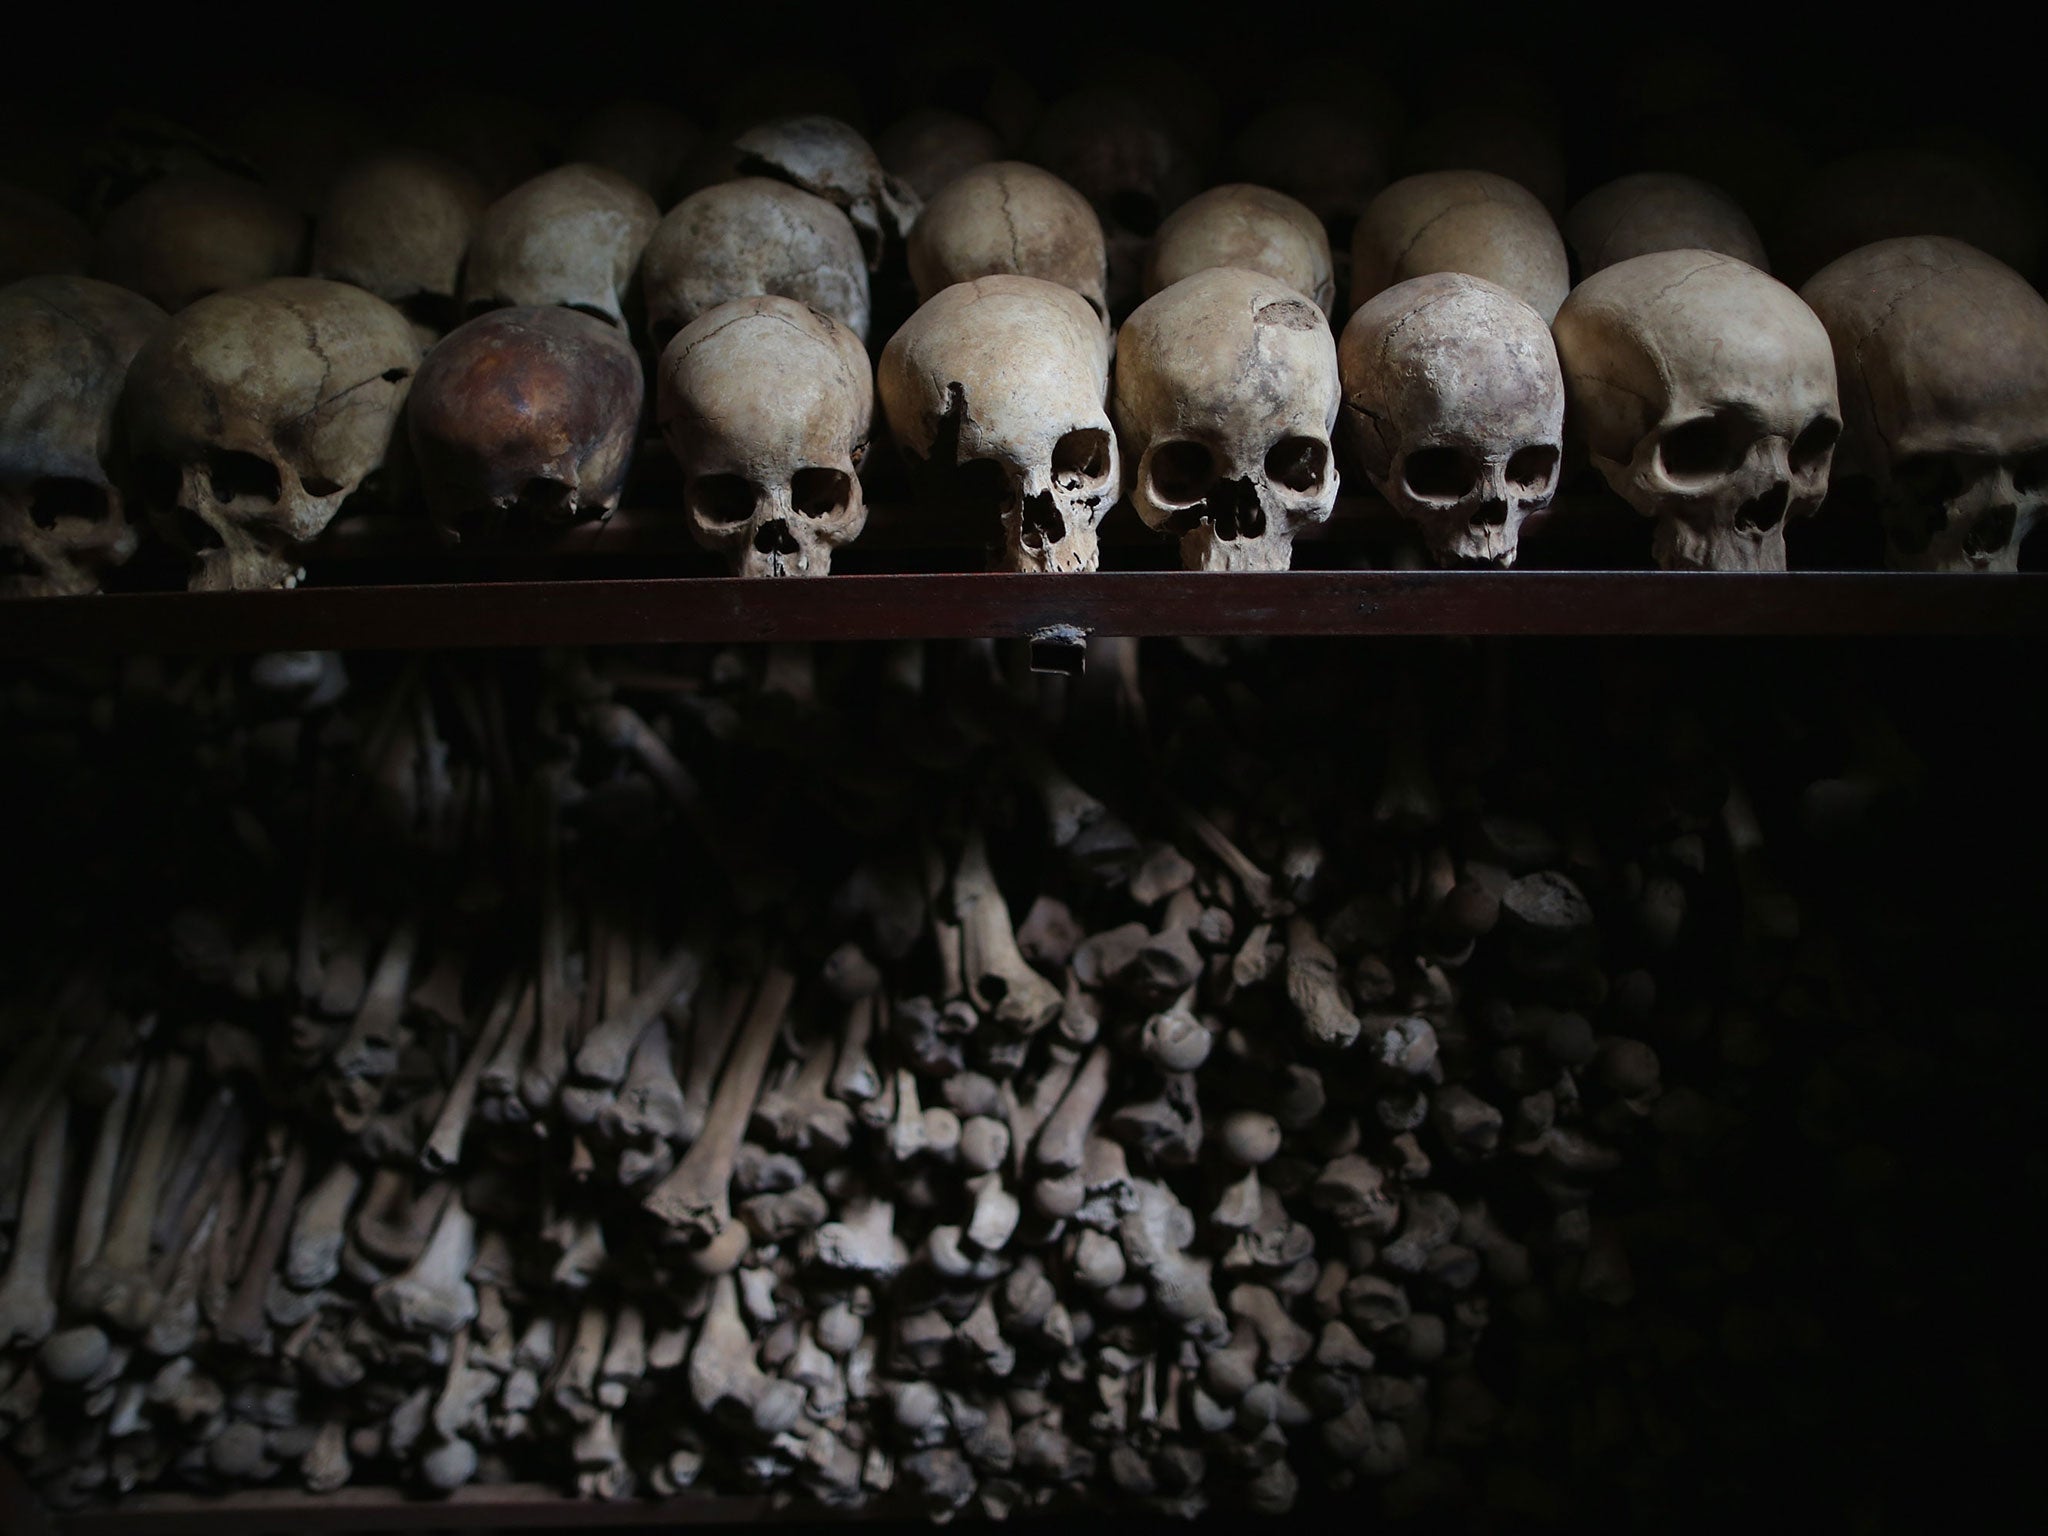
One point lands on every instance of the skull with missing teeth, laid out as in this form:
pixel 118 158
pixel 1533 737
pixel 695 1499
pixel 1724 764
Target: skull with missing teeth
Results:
pixel 250 417
pixel 995 391
pixel 1705 393
pixel 1453 404
pixel 766 404
pixel 1944 359
pixel 1226 393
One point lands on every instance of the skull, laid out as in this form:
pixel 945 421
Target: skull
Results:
pixel 65 346
pixel 1943 353
pixel 38 236
pixel 1244 226
pixel 189 235
pixel 927 148
pixel 1461 221
pixel 1514 140
pixel 1659 211
pixel 1010 217
pixel 824 156
pixel 398 225
pixel 251 416
pixel 766 404
pixel 500 138
pixel 1226 391
pixel 739 238
pixel 1327 153
pixel 643 141
pixel 1454 405
pixel 571 236
pixel 525 417
pixel 994 390
pixel 1705 392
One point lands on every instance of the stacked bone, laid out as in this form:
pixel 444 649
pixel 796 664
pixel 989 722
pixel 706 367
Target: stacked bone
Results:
pixel 960 1135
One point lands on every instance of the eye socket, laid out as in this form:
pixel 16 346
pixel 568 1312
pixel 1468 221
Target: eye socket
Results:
pixel 238 476
pixel 319 485
pixel 724 499
pixel 2030 473
pixel 1933 477
pixel 1533 469
pixel 1700 449
pixel 1080 458
pixel 820 492
pixel 1297 463
pixel 1439 474
pixel 1812 446
pixel 1180 473
pixel 55 498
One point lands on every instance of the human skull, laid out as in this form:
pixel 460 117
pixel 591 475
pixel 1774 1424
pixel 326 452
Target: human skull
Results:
pixel 927 148
pixel 38 236
pixel 994 390
pixel 1943 353
pixel 826 157
pixel 1454 406
pixel 1461 221
pixel 398 226
pixel 186 236
pixel 739 238
pixel 250 417
pixel 1705 392
pixel 1511 139
pixel 1010 217
pixel 1659 211
pixel 524 418
pixel 499 137
pixel 1244 226
pixel 1328 154
pixel 1226 392
pixel 571 236
pixel 767 404
pixel 644 141
pixel 65 346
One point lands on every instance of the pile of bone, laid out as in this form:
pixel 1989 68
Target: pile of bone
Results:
pixel 447 320
pixel 1017 1144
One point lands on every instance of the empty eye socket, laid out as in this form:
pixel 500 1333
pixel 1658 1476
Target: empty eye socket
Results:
pixel 1180 473
pixel 984 485
pixel 723 498
pixel 1812 446
pixel 1080 458
pixel 1440 474
pixel 1297 463
pixel 51 499
pixel 242 476
pixel 319 486
pixel 1934 477
pixel 2030 473
pixel 1532 469
pixel 1700 449
pixel 820 492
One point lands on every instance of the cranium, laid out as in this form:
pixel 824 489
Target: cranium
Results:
pixel 500 138
pixel 644 141
pixel 1461 221
pixel 1326 153
pixel 927 148
pixel 1705 392
pixel 38 236
pixel 398 225
pixel 1244 226
pixel 1010 217
pixel 570 236
pixel 826 157
pixel 250 417
pixel 994 390
pixel 1511 139
pixel 525 417
pixel 1226 391
pixel 1659 211
pixel 1454 406
pixel 751 236
pixel 185 236
pixel 766 404
pixel 1943 353
pixel 65 346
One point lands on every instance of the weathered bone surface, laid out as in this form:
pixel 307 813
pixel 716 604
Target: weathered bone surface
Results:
pixel 1006 216
pixel 250 417
pixel 929 147
pixel 65 347
pixel 1454 405
pixel 738 239
pixel 524 420
pixel 1226 395
pixel 1461 221
pixel 1241 225
pixel 827 157
pixel 1704 391
pixel 399 226
pixel 184 237
pixel 571 236
pixel 1653 211
pixel 1943 359
pixel 995 389
pixel 766 404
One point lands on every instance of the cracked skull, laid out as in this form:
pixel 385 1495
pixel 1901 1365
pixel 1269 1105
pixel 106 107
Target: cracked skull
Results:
pixel 1244 226
pixel 571 236
pixel 399 226
pixel 995 392
pixel 250 417
pixel 1659 211
pixel 1705 392
pixel 1461 221
pixel 831 160
pixel 65 347
pixel 766 404
pixel 1006 216
pixel 1226 392
pixel 1454 405
pixel 1943 353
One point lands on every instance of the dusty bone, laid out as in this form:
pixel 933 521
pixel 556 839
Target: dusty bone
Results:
pixel 202 1163
pixel 723 1369
pixel 500 1077
pixel 1156 1234
pixel 176 1324
pixel 1245 226
pixel 553 1006
pixel 863 1241
pixel 393 1222
pixel 625 1358
pixel 458 1410
pixel 377 1035
pixel 799 1114
pixel 434 1295
pixel 854 1077
pixel 242 1322
pixel 649 1104
pixel 28 1307
pixel 95 1196
pixel 717 1022
pixel 116 1285
pixel 1005 216
pixel 1062 1141
pixel 1461 221
pixel 1659 211
pixel 1313 987
pixel 320 1229
pixel 607 1050
pixel 753 235
pixel 998 978
pixel 442 1149
pixel 570 236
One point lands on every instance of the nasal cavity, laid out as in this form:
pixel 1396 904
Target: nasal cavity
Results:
pixel 774 538
pixel 542 500
pixel 1491 514
pixel 1237 514
pixel 242 477
pixel 1043 526
pixel 1991 530
pixel 1762 513
pixel 54 498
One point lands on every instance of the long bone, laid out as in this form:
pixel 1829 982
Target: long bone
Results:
pixel 376 1036
pixel 434 1295
pixel 320 1228
pixel 649 1104
pixel 500 1076
pixel 28 1309
pixel 607 1049
pixel 998 978
pixel 717 1021
pixel 443 1148
pixel 723 1368
pixel 549 1063
pixel 116 1285
pixel 89 1226
pixel 243 1323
